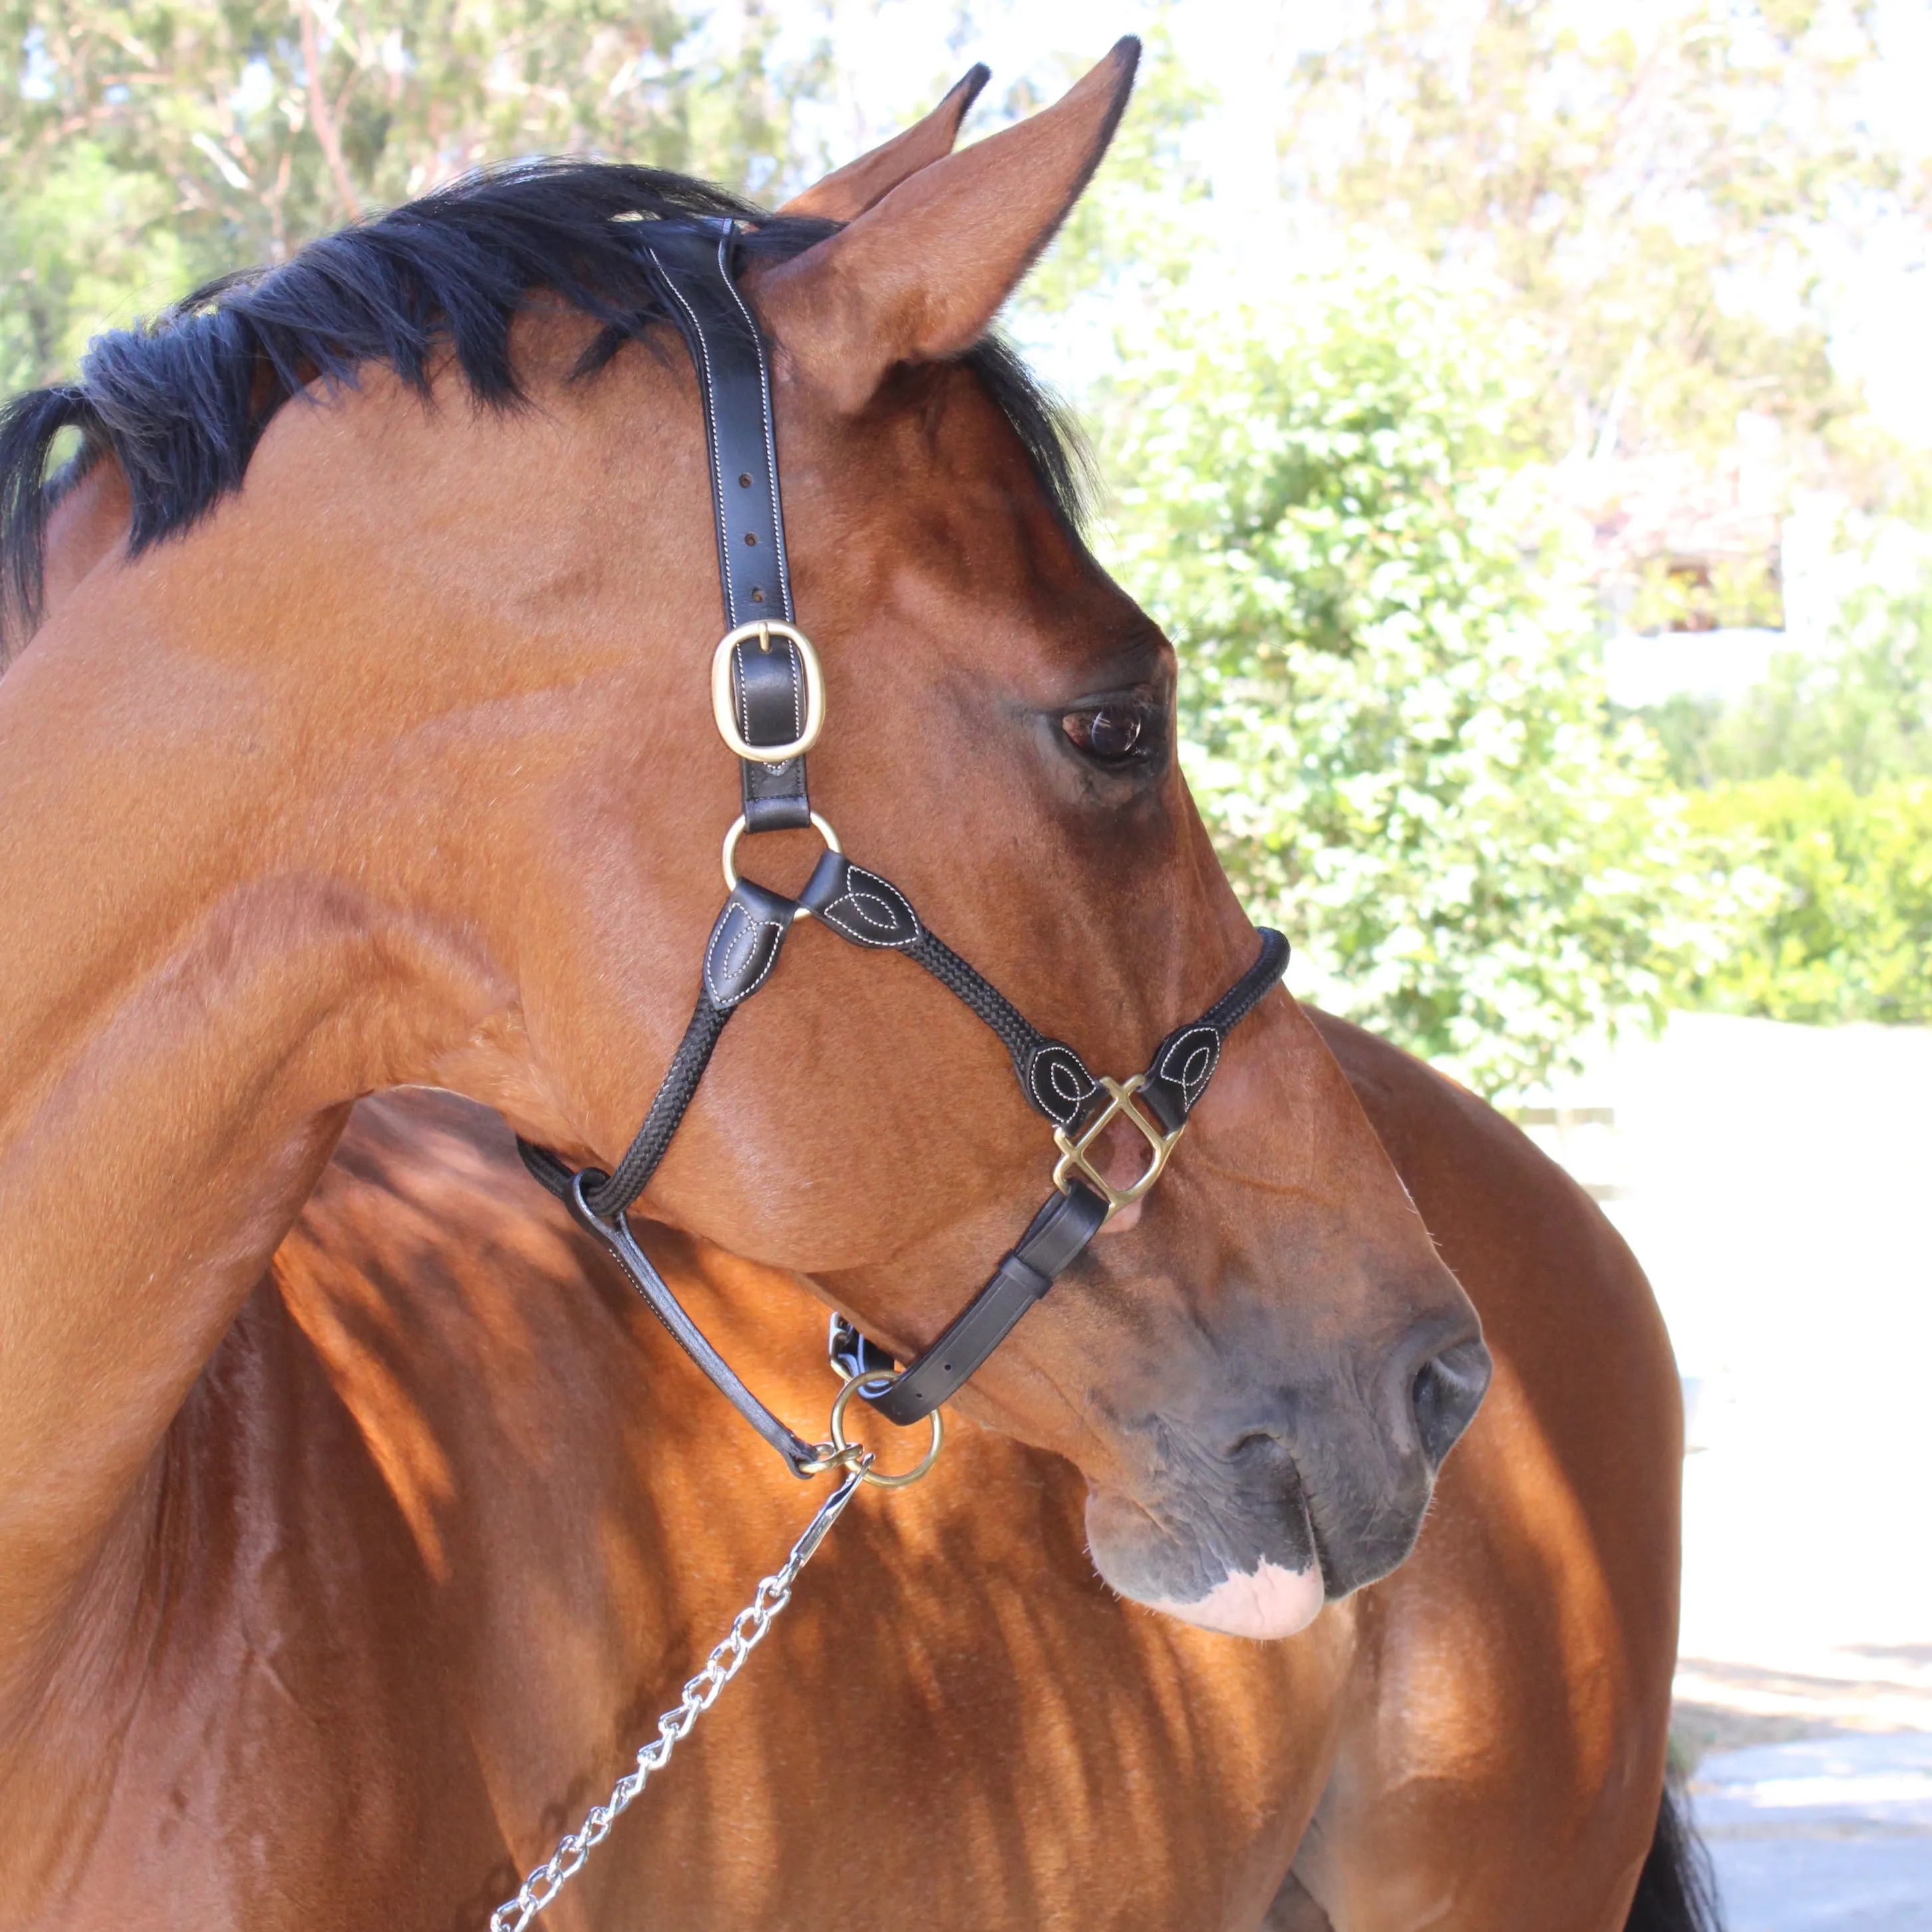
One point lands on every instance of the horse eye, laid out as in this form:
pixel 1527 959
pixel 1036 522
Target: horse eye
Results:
pixel 1110 734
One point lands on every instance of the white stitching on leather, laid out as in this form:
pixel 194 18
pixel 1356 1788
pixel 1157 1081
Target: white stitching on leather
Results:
pixel 888 895
pixel 1048 1059
pixel 711 413
pixel 1191 1085
pixel 749 931
pixel 765 425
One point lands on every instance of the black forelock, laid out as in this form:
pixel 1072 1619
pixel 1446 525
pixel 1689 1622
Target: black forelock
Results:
pixel 181 402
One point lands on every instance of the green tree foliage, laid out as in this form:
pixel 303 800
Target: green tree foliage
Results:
pixel 1654 189
pixel 143 146
pixel 1396 720
pixel 1818 779
pixel 1861 709
pixel 1846 933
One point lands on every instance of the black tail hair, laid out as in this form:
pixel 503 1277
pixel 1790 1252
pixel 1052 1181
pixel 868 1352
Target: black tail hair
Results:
pixel 1678 1891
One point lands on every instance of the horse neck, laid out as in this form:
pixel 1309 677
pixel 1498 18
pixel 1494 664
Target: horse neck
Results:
pixel 204 960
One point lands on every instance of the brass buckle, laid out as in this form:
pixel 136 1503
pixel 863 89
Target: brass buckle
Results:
pixel 1073 1153
pixel 764 630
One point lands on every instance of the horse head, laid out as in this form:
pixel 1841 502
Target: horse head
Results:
pixel 422 567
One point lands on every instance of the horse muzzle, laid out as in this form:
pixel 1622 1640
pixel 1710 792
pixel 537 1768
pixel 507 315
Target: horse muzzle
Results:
pixel 1249 1520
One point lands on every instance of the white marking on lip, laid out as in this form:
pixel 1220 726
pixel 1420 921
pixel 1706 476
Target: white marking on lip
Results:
pixel 1269 1602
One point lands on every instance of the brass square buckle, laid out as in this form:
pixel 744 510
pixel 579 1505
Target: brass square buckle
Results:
pixel 1073 1153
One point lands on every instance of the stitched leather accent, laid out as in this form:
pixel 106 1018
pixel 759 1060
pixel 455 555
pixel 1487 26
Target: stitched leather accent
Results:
pixel 1057 1079
pixel 1189 1060
pixel 860 906
pixel 744 944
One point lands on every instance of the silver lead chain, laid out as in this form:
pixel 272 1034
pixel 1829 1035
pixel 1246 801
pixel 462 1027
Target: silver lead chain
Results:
pixel 539 1891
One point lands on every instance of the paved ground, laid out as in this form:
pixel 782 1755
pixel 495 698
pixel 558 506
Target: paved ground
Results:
pixel 1773 1180
pixel 1832 1832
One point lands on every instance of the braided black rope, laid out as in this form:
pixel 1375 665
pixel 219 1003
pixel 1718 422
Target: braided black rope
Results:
pixel 1020 1037
pixel 615 1192
pixel 1251 987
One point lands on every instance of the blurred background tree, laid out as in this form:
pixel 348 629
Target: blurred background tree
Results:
pixel 1395 709
pixel 1367 330
pixel 1656 191
pixel 146 146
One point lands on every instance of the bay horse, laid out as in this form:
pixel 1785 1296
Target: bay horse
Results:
pixel 352 1514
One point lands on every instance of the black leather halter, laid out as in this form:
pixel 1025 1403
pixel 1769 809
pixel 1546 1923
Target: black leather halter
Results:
pixel 769 701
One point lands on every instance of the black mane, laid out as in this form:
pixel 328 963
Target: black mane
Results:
pixel 181 402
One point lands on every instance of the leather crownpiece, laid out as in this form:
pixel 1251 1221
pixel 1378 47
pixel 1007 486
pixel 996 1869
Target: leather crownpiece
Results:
pixel 1057 1078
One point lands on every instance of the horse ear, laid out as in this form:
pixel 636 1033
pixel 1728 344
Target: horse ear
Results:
pixel 920 277
pixel 845 195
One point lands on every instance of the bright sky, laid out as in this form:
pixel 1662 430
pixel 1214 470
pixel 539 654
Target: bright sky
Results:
pixel 901 53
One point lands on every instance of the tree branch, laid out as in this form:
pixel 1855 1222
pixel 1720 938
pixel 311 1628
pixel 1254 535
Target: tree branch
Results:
pixel 319 113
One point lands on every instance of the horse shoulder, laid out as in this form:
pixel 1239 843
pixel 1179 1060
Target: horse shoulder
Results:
pixel 1513 1693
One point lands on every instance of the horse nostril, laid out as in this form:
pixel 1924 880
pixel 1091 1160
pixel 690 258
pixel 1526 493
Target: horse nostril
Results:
pixel 1253 1442
pixel 1445 1394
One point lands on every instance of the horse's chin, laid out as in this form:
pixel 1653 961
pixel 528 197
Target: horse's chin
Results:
pixel 1193 1579
pixel 1268 1602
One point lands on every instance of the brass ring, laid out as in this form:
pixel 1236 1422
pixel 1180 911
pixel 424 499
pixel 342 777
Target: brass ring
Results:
pixel 872 1476
pixel 737 832
pixel 764 630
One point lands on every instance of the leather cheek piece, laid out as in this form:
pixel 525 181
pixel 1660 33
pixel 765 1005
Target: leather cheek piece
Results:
pixel 691 265
pixel 744 945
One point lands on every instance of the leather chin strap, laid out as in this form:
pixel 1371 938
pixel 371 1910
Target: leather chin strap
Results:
pixel 764 688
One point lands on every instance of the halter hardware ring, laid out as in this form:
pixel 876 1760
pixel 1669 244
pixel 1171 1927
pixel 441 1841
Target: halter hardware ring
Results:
pixel 764 629
pixel 880 1378
pixel 737 832
pixel 1073 1153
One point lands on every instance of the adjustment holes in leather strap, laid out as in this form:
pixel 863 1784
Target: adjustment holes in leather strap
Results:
pixel 744 482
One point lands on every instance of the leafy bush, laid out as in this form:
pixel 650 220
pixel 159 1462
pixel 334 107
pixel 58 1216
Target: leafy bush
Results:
pixel 1392 691
pixel 1862 706
pixel 1847 933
